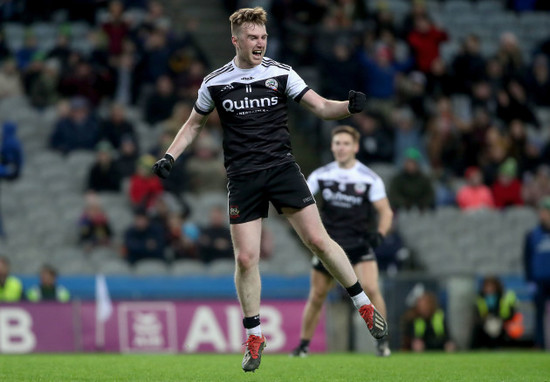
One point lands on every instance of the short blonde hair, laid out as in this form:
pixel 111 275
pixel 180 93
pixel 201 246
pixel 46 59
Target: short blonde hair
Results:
pixel 256 15
pixel 345 129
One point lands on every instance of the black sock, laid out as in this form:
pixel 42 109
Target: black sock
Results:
pixel 304 344
pixel 251 322
pixel 355 289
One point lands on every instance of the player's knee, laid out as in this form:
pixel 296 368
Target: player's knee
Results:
pixel 246 260
pixel 317 243
pixel 318 298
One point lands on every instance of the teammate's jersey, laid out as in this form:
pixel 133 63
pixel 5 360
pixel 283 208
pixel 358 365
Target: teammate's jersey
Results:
pixel 347 195
pixel 252 104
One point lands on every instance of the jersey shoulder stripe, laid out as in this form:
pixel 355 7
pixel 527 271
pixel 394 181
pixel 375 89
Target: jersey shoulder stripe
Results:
pixel 364 170
pixel 224 69
pixel 327 168
pixel 270 62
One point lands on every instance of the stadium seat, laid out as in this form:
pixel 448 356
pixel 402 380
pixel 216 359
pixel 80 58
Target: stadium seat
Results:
pixel 187 268
pixel 488 6
pixel 114 266
pixel 221 267
pixel 457 7
pixel 150 267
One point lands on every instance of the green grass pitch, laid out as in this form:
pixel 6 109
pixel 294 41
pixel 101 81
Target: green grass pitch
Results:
pixel 479 367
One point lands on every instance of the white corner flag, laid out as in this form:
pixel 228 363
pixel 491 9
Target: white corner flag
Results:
pixel 103 304
pixel 103 309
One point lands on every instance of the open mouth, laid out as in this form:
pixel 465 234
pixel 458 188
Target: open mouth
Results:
pixel 257 53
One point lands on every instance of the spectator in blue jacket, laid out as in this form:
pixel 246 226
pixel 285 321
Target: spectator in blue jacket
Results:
pixel 537 266
pixel 11 156
pixel 80 130
pixel 11 152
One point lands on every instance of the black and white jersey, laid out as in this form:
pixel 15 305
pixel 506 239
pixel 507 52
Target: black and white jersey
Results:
pixel 252 104
pixel 347 195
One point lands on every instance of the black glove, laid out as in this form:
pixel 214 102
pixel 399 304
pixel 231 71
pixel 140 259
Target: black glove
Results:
pixel 376 240
pixel 357 101
pixel 163 166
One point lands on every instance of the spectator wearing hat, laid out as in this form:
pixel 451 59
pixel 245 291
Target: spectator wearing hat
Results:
pixel 48 289
pixel 536 255
pixel 145 187
pixel 104 174
pixel 11 288
pixel 474 194
pixel 411 188
pixel 507 187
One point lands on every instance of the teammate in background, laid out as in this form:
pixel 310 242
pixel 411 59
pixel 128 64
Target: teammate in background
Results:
pixel 349 190
pixel 250 94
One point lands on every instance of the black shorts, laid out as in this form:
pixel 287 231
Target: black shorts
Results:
pixel 356 255
pixel 250 194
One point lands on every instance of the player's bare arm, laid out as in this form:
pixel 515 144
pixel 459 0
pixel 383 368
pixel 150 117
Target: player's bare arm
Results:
pixel 332 110
pixel 385 215
pixel 187 133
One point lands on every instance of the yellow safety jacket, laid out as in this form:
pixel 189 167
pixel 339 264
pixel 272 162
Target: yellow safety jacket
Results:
pixel 438 325
pixel 506 305
pixel 12 290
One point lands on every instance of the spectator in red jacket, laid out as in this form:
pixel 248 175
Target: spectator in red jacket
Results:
pixel 507 187
pixel 474 195
pixel 425 39
pixel 145 188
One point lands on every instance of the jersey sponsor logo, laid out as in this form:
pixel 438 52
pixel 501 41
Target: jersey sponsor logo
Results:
pixel 341 199
pixel 308 199
pixel 246 78
pixel 271 83
pixel 249 103
pixel 234 212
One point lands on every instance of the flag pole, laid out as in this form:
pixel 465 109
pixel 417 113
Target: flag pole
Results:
pixel 103 310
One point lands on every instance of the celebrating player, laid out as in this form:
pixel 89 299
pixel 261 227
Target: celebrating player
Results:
pixel 349 190
pixel 250 94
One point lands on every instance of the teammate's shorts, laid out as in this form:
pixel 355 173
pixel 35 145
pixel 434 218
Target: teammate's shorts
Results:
pixel 250 194
pixel 355 255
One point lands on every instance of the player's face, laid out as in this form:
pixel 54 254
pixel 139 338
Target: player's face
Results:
pixel 250 43
pixel 344 148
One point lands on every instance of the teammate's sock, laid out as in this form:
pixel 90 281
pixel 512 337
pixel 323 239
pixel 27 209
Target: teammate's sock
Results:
pixel 357 295
pixel 304 344
pixel 252 326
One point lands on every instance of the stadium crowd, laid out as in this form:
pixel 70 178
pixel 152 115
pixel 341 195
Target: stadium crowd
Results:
pixel 468 130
